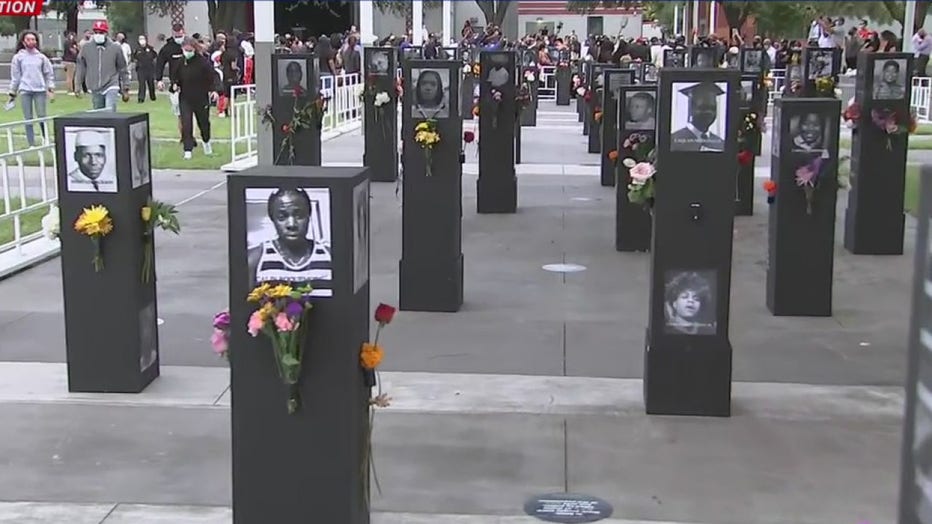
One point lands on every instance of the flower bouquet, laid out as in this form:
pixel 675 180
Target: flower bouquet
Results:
pixel 370 356
pixel 95 223
pixel 51 223
pixel 427 136
pixel 893 123
pixel 770 187
pixel 530 76
pixel 748 137
pixel 220 339
pixel 304 115
pixel 155 214
pixel 807 177
pixel 281 317
pixel 852 114
pixel 825 86
pixel 640 165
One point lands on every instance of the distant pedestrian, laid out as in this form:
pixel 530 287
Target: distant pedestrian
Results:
pixel 32 80
pixel 69 58
pixel 198 86
pixel 144 57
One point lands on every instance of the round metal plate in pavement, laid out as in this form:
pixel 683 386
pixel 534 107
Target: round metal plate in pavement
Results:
pixel 568 508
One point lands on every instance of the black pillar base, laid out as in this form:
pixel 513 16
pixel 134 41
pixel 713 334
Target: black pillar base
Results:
pixel 595 126
pixel 497 196
pixel 518 141
pixel 432 286
pixel 564 85
pixel 687 380
pixel 581 112
pixel 744 197
pixel 529 115
pixel 633 222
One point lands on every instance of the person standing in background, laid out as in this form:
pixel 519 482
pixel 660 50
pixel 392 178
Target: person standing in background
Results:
pixel 352 61
pixel 171 55
pixel 31 79
pixel 144 58
pixel 127 50
pixel 197 85
pixel 68 58
pixel 102 65
pixel 853 46
pixel 922 45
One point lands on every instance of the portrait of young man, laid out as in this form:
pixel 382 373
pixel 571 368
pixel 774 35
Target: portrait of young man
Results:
pixel 698 117
pixel 889 79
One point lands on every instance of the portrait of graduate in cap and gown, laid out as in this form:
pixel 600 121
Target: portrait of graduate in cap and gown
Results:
pixel 90 160
pixel 698 116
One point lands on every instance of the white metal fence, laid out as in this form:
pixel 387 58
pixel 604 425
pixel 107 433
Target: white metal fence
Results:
pixel 344 114
pixel 921 98
pixel 547 89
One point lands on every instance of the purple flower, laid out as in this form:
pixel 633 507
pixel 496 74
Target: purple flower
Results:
pixel 294 309
pixel 222 320
pixel 809 173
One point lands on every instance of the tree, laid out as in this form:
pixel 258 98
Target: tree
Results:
pixel 227 15
pixel 67 9
pixel 128 17
pixel 493 10
pixel 12 25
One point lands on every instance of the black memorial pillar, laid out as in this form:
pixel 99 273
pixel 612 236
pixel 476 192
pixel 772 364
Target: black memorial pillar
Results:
pixel 431 267
pixel 637 124
pixel 749 139
pixel 309 465
pixel 381 114
pixel 296 95
pixel 103 160
pixel 614 79
pixel 497 187
pixel 594 111
pixel 530 77
pixel 915 500
pixel 579 90
pixel 469 81
pixel 804 168
pixel 874 219
pixel 821 67
pixel 564 76
pixel 688 352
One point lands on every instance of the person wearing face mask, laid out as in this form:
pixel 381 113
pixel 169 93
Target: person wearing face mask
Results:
pixel 32 80
pixel 197 85
pixel 144 58
pixel 102 66
pixel 171 55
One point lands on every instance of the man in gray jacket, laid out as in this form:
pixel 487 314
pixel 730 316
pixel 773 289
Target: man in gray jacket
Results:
pixel 102 67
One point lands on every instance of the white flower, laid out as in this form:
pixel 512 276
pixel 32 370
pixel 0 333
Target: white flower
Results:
pixel 467 68
pixel 381 99
pixel 51 225
pixel 359 90
pixel 581 91
pixel 529 76
pixel 837 92
pixel 628 162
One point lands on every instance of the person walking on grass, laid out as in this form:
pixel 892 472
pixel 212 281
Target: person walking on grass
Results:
pixel 145 57
pixel 32 81
pixel 102 66
pixel 197 85
pixel 170 54
pixel 68 58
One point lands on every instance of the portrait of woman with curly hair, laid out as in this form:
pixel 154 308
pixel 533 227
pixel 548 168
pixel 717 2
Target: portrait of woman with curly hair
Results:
pixel 689 303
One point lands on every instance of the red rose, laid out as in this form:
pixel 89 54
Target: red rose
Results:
pixel 286 128
pixel 384 313
pixel 298 91
pixel 745 157
pixel 468 136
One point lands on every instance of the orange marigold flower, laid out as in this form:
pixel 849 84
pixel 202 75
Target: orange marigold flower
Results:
pixel 770 186
pixel 371 355
pixel 613 155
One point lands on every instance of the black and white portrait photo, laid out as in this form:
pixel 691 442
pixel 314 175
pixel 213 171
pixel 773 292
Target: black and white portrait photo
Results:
pixel 615 82
pixel 498 75
pixel 689 302
pixel 292 74
pixel 794 73
pixel 820 63
pixel 704 57
pixel 732 59
pixel 90 159
pixel 673 58
pixel 650 73
pixel 640 108
pixel 810 132
pixel 288 237
pixel 698 117
pixel 752 60
pixel 890 79
pixel 360 235
pixel 747 92
pixel 148 336
pixel 431 93
pixel 139 153
pixel 378 62
pixel 528 58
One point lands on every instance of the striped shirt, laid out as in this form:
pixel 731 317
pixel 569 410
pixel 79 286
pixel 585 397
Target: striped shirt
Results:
pixel 317 270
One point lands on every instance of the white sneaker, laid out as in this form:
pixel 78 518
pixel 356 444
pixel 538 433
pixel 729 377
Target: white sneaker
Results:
pixel 187 155
pixel 208 150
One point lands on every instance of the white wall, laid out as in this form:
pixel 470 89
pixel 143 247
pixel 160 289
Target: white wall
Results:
pixel 628 25
pixel 195 21
pixel 388 23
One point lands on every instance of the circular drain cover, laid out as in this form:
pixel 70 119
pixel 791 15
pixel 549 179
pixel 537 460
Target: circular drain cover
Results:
pixel 568 508
pixel 564 268
pixel 159 322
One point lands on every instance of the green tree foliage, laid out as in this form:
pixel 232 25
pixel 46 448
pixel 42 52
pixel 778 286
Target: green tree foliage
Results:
pixel 128 17
pixel 493 10
pixel 12 25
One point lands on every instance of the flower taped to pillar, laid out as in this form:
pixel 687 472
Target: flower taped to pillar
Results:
pixel 894 123
pixel 281 317
pixel 427 137
pixel 306 113
pixel 370 357
pixel 639 161
pixel 288 238
pixel 698 117
pixel 155 214
pixel 381 100
pixel 689 302
pixel 95 223
pixel 749 134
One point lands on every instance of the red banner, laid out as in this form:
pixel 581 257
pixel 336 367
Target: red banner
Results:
pixel 20 7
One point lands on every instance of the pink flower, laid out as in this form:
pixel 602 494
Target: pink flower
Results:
pixel 218 341
pixel 642 172
pixel 255 323
pixel 283 323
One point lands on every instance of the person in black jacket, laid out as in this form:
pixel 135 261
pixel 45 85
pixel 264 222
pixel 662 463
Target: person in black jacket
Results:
pixel 197 84
pixel 145 57
pixel 171 55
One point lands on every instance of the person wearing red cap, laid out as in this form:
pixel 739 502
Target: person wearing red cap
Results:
pixel 102 67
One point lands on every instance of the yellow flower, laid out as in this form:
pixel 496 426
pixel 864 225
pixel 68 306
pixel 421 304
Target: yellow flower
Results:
pixel 279 291
pixel 371 355
pixel 94 221
pixel 146 213
pixel 260 292
pixel 267 311
pixel 423 126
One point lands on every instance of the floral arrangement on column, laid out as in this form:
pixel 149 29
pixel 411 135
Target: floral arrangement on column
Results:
pixel 497 102
pixel 597 114
pixel 894 123
pixel 370 357
pixel 51 223
pixel 613 156
pixel 155 214
pixel 427 136
pixel 748 134
pixel 305 114
pixel 770 187
pixel 220 338
pixel 530 75
pixel 852 114
pixel 522 98
pixel 808 177
pixel 640 164
pixel 825 86
pixel 281 317
pixel 95 223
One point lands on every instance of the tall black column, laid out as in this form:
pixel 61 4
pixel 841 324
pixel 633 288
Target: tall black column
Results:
pixel 431 267
pixel 614 79
pixel 295 87
pixel 123 355
pixel 531 77
pixel 594 111
pixel 581 72
pixel 874 219
pixel 564 81
pixel 310 464
pixel 497 187
pixel 381 116
pixel 688 352
pixel 637 115
pixel 467 91
pixel 749 139
pixel 802 218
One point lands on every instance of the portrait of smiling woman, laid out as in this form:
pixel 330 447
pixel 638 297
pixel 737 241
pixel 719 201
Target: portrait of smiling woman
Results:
pixel 689 303
pixel 809 133
pixel 430 93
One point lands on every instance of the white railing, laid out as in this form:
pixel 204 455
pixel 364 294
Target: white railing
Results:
pixel 547 89
pixel 921 98
pixel 777 81
pixel 344 114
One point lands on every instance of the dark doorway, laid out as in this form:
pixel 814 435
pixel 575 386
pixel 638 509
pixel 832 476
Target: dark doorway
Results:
pixel 304 19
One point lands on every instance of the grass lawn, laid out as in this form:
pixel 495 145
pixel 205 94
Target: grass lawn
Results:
pixel 924 129
pixel 30 221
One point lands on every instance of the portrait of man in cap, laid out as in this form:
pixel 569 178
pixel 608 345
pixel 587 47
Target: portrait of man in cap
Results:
pixel 698 116
pixel 90 164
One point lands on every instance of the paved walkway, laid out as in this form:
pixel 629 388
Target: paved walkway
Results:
pixel 533 387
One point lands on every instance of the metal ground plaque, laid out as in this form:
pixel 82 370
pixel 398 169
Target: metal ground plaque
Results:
pixel 568 508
